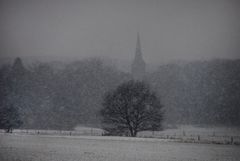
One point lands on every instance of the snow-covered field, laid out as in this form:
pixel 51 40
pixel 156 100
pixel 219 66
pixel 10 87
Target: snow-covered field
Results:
pixel 18 147
pixel 183 133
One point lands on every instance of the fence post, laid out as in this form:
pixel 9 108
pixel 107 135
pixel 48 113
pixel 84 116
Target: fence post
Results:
pixel 231 139
pixel 184 134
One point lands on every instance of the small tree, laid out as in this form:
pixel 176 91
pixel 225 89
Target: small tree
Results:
pixel 131 108
pixel 9 118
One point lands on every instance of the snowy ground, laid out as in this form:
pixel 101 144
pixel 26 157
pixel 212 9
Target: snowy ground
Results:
pixel 189 134
pixel 218 135
pixel 190 130
pixel 15 147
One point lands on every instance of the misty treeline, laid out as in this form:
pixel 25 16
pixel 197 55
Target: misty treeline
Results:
pixel 56 96
pixel 200 92
pixel 62 96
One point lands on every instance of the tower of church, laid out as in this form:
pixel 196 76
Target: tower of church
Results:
pixel 138 65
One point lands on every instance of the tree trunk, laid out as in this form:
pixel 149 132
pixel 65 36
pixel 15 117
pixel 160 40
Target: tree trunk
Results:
pixel 8 130
pixel 134 133
pixel 131 132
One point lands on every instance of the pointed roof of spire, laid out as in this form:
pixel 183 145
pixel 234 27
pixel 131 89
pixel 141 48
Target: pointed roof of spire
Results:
pixel 138 65
pixel 138 41
pixel 138 46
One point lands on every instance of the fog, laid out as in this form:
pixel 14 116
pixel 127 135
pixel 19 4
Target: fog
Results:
pixel 169 29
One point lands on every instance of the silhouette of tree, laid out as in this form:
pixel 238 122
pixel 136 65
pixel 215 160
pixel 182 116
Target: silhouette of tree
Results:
pixel 9 118
pixel 131 108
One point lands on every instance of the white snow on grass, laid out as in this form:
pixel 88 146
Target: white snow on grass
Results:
pixel 219 135
pixel 189 134
pixel 15 147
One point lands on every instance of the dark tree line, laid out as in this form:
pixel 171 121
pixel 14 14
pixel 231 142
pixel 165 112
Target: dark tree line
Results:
pixel 201 92
pixel 61 96
pixel 10 80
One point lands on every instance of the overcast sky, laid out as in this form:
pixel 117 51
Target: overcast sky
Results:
pixel 169 29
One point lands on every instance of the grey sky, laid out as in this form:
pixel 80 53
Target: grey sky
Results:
pixel 169 29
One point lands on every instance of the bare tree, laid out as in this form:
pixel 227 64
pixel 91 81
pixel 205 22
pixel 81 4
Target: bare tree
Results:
pixel 131 108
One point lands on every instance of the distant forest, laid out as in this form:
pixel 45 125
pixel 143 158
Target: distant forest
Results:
pixel 62 96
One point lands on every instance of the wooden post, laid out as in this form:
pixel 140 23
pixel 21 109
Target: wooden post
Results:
pixel 184 134
pixel 231 139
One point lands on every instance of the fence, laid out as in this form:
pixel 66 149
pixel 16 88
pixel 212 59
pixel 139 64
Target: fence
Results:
pixel 194 138
pixel 89 132
pixel 179 137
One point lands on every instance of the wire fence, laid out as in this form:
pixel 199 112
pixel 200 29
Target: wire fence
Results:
pixel 185 137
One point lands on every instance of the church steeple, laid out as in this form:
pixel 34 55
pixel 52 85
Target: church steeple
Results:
pixel 138 65
pixel 138 47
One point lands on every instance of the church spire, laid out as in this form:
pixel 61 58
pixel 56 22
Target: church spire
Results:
pixel 138 65
pixel 138 47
